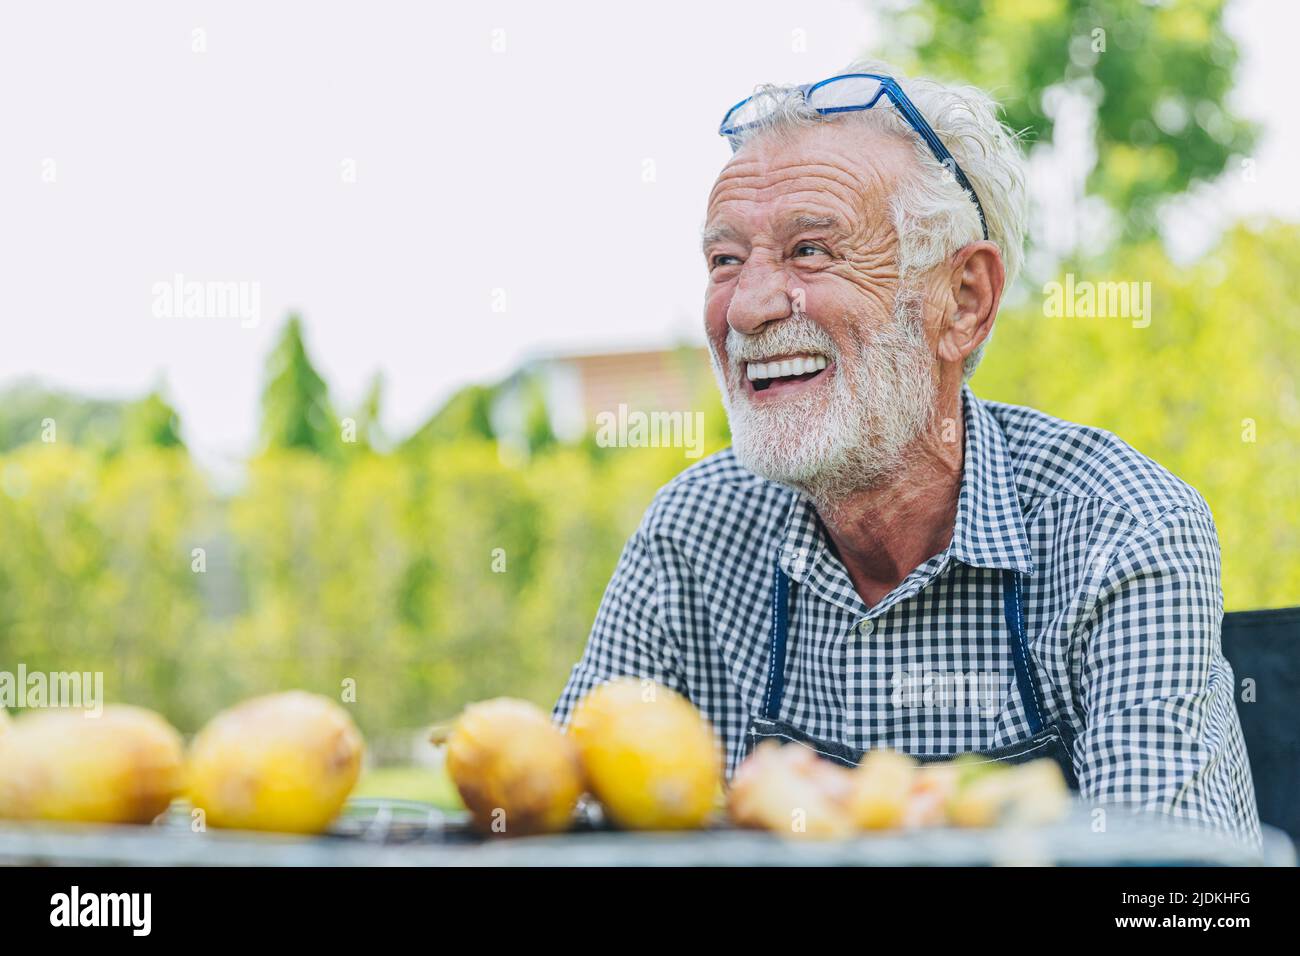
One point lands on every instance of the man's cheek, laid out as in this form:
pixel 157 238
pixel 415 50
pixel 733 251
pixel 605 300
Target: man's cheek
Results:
pixel 715 314
pixel 816 300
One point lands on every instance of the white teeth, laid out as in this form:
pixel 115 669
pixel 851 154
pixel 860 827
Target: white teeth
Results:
pixel 796 365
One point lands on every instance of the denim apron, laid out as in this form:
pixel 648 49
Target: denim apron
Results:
pixel 1055 740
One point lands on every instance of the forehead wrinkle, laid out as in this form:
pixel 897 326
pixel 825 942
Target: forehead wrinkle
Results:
pixel 804 221
pixel 801 211
pixel 770 178
pixel 855 197
pixel 860 164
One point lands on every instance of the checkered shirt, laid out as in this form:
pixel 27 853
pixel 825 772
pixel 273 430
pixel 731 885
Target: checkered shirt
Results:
pixel 1121 597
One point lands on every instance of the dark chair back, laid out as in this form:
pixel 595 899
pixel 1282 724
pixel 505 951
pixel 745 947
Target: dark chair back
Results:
pixel 1264 647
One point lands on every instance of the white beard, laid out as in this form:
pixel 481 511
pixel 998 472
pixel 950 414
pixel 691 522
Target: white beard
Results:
pixel 833 441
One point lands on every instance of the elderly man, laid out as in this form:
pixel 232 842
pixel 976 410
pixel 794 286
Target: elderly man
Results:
pixel 882 559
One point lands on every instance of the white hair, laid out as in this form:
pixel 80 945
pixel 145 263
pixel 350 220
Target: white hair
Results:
pixel 933 215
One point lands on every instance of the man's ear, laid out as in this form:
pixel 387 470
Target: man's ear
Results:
pixel 975 284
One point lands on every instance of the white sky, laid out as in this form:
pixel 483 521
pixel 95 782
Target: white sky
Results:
pixel 476 170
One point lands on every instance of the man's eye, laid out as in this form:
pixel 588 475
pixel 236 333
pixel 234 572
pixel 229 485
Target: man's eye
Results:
pixel 721 260
pixel 807 249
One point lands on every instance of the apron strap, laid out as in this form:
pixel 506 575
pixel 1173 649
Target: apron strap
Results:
pixel 1012 609
pixel 776 653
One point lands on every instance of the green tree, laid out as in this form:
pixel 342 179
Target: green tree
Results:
pixel 367 419
pixel 151 421
pixel 296 410
pixel 466 415
pixel 33 413
pixel 30 412
pixel 1155 74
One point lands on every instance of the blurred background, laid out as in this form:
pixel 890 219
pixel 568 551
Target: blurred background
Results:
pixel 454 237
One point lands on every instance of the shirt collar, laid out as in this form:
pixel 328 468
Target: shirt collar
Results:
pixel 989 531
pixel 990 528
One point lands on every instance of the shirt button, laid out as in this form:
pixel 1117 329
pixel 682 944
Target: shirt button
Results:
pixel 866 627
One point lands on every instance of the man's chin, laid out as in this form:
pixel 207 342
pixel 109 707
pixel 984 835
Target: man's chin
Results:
pixel 787 459
pixel 816 456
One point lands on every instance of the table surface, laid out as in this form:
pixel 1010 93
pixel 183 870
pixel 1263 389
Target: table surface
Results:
pixel 399 833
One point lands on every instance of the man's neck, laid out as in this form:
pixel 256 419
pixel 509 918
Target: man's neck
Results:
pixel 885 532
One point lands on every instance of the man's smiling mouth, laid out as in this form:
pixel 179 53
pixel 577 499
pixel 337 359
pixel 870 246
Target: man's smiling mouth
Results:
pixel 785 370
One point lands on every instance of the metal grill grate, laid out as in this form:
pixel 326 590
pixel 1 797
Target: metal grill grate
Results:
pixel 401 821
pixel 382 820
pixel 372 820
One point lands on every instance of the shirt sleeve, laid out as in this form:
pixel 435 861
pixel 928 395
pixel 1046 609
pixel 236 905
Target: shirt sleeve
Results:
pixel 1161 727
pixel 627 638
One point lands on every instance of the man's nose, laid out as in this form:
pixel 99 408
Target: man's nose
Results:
pixel 762 295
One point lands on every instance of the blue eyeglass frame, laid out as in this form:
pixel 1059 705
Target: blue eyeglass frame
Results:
pixel 889 88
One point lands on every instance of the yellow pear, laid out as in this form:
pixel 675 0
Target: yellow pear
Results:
pixel 649 756
pixel 123 765
pixel 517 773
pixel 284 762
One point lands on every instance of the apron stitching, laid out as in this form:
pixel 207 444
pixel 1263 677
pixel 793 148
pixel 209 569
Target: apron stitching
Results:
pixel 771 663
pixel 920 766
pixel 801 743
pixel 1024 637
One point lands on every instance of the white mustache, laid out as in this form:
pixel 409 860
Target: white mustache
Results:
pixel 788 336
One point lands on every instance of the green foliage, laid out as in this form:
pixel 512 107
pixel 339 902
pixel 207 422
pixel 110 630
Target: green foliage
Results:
pixel 427 784
pixel 1158 74
pixel 537 432
pixel 151 421
pixel 95 572
pixel 296 410
pixel 425 580
pixel 30 413
pixel 467 414
pixel 368 418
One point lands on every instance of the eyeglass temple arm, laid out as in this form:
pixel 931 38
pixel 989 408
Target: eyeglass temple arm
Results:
pixel 918 123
